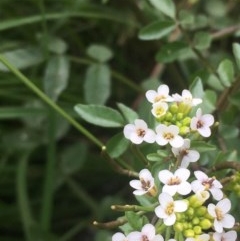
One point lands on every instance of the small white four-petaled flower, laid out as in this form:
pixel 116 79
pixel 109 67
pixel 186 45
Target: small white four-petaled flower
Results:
pixel 204 183
pixel 168 208
pixel 162 94
pixel 145 184
pixel 168 134
pixel 175 182
pixel 225 236
pixel 159 109
pixel 119 237
pixel 187 98
pixel 185 154
pixel 147 233
pixel 139 132
pixel 220 214
pixel 202 123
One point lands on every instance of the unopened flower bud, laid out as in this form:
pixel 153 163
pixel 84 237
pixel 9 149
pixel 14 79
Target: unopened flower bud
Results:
pixel 195 220
pixel 188 233
pixel 197 230
pixel 205 224
pixel 173 108
pixel 179 116
pixel 201 211
pixel 178 227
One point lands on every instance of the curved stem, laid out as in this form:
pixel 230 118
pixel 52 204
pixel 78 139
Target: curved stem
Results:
pixel 52 104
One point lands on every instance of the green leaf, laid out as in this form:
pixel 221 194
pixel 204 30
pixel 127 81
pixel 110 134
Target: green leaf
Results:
pixel 215 83
pixel 134 220
pixel 22 58
pixel 167 7
pixel 202 40
pixel 228 131
pixel 57 45
pixel 154 157
pixel 236 52
pixel 73 158
pixel 117 145
pixel 156 30
pixel 202 146
pixel 196 88
pixel 225 71
pixel 129 114
pixel 56 76
pixel 186 18
pixel 100 53
pixel 97 84
pixel 209 103
pixel 171 51
pixel 100 115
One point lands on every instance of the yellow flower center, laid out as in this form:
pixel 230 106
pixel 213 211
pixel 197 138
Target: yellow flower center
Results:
pixel 219 213
pixel 159 98
pixel 170 208
pixel 168 136
pixel 159 111
pixel 174 181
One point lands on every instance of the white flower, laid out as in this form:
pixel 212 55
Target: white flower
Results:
pixel 175 183
pixel 228 236
pixel 202 237
pixel 139 132
pixel 159 109
pixel 221 218
pixel 162 94
pixel 145 184
pixel 201 123
pixel 168 207
pixel 168 134
pixel 187 98
pixel 186 154
pixel 147 233
pixel 119 237
pixel 204 183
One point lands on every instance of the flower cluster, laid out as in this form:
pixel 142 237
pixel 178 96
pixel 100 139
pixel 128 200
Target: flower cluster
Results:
pixel 185 207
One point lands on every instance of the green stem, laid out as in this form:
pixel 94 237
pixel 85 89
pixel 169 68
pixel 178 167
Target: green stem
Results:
pixel 22 196
pixel 52 104
pixel 139 154
pixel 82 195
pixel 73 231
pixel 48 187
pixel 168 232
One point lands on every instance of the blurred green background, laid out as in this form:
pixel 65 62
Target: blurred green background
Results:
pixel 54 182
